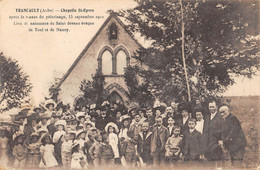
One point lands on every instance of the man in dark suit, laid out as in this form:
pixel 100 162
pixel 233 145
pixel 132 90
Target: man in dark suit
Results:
pixel 233 137
pixel 213 125
pixel 192 148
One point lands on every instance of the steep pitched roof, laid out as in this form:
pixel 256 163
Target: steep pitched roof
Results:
pixel 112 15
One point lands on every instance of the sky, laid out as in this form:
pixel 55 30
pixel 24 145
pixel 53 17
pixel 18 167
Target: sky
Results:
pixel 45 55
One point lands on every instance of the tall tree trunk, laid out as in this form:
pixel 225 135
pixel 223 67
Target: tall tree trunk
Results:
pixel 183 52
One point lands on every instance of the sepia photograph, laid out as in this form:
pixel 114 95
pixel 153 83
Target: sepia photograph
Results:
pixel 129 84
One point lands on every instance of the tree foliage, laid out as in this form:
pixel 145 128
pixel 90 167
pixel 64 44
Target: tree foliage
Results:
pixel 54 89
pixel 221 42
pixel 93 89
pixel 14 84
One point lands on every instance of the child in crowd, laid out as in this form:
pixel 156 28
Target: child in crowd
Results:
pixel 81 134
pixel 66 151
pixel 19 150
pixel 173 145
pixel 95 150
pixel 34 155
pixel 107 154
pixel 136 125
pixel 57 139
pixel 144 143
pixel 111 129
pixel 78 160
pixel 170 126
pixel 125 119
pixel 159 137
pixel 192 142
pixel 47 152
pixel 128 148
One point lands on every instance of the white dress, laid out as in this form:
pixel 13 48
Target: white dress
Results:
pixel 75 160
pixel 113 141
pixel 48 155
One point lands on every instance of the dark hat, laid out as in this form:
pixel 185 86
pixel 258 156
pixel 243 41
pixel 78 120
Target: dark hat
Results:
pixel 20 115
pixel 37 108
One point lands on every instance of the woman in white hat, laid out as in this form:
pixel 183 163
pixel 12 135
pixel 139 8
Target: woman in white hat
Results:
pixel 49 105
pixel 112 131
pixel 57 138
pixel 60 126
pixel 80 116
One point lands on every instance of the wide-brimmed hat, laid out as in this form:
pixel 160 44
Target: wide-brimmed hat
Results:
pixel 75 144
pixel 124 117
pixel 133 106
pixel 45 116
pixel 49 102
pixel 79 115
pixel 79 132
pixel 44 136
pixel 113 125
pixel 20 115
pixel 26 106
pixel 89 123
pixel 17 134
pixel 60 122
pixel 42 130
pixel 34 134
pixel 37 108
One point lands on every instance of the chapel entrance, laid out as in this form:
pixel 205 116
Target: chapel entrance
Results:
pixel 114 97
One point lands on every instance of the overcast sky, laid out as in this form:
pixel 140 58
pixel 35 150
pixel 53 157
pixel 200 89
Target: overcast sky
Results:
pixel 46 55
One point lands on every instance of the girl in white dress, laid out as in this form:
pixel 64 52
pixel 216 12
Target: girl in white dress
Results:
pixel 78 159
pixel 47 153
pixel 112 130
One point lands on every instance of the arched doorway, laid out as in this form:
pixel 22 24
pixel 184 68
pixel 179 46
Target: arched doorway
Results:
pixel 114 97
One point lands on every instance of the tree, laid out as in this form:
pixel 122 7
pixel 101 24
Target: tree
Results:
pixel 15 85
pixel 93 89
pixel 221 42
pixel 54 89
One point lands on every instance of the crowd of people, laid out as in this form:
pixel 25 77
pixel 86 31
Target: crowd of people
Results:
pixel 113 135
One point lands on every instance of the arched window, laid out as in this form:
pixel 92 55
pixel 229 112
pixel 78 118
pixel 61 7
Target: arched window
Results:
pixel 121 62
pixel 113 31
pixel 107 63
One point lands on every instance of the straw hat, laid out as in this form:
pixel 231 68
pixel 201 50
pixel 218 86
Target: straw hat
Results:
pixel 17 134
pixel 79 132
pixel 26 106
pixel 60 122
pixel 49 102
pixel 133 106
pixel 37 108
pixel 45 116
pixel 124 117
pixel 113 125
pixel 75 144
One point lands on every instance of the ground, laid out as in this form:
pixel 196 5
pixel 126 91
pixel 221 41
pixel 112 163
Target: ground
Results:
pixel 247 111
